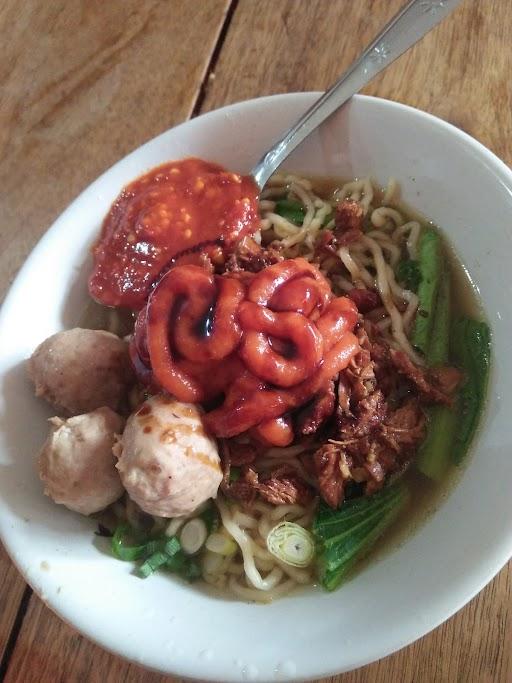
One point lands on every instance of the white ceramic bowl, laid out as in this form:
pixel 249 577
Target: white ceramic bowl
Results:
pixel 175 628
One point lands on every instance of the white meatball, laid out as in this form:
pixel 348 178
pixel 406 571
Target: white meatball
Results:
pixel 168 463
pixel 80 370
pixel 76 463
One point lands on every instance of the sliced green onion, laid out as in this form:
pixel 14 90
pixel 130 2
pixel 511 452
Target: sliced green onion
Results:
pixel 121 548
pixel 153 562
pixel 221 544
pixel 292 544
pixel 172 546
pixel 161 551
pixel 176 562
pixel 193 535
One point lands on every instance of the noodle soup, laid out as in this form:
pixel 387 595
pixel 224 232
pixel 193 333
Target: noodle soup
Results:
pixel 323 376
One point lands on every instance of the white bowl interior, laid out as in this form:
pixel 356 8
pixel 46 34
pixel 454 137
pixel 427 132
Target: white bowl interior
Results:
pixel 174 627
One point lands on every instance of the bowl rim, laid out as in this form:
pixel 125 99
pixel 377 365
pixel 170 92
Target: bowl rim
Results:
pixel 478 574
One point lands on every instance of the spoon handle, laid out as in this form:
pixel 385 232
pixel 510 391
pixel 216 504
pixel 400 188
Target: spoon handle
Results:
pixel 409 25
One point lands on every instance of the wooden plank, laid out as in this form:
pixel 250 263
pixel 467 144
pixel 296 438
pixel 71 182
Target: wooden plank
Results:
pixel 83 83
pixel 469 647
pixel 460 71
pixel 11 592
pixel 472 646
pixel 50 651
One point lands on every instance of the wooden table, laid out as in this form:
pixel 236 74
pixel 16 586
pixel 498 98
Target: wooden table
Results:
pixel 83 82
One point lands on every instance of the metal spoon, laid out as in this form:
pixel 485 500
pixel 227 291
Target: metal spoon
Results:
pixel 408 26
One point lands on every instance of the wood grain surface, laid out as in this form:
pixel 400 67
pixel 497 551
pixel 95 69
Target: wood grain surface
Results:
pixel 84 82
pixel 12 588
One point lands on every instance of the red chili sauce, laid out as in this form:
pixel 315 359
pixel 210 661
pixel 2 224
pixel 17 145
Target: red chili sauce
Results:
pixel 263 343
pixel 173 208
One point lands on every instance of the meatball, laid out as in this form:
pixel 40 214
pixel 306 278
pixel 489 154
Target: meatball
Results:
pixel 80 370
pixel 169 465
pixel 76 463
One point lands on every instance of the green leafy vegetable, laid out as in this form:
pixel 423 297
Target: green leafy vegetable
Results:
pixel 431 270
pixel 471 349
pixel 345 535
pixel 291 210
pixel 409 274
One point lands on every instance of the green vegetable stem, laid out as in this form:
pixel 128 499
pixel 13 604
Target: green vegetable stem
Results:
pixel 431 267
pixel 435 451
pixel 471 349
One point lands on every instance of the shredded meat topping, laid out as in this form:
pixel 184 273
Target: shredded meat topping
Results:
pixel 446 378
pixel 312 417
pixel 282 486
pixel 366 300
pixel 372 411
pixel 244 489
pixel 285 487
pixel 420 378
pixel 251 257
pixel 405 427
pixel 349 216
pixel 328 466
pixel 242 454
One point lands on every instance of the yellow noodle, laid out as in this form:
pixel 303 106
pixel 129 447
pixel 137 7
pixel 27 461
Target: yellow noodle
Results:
pixel 385 294
pixel 385 218
pixel 244 520
pixel 358 273
pixel 412 229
